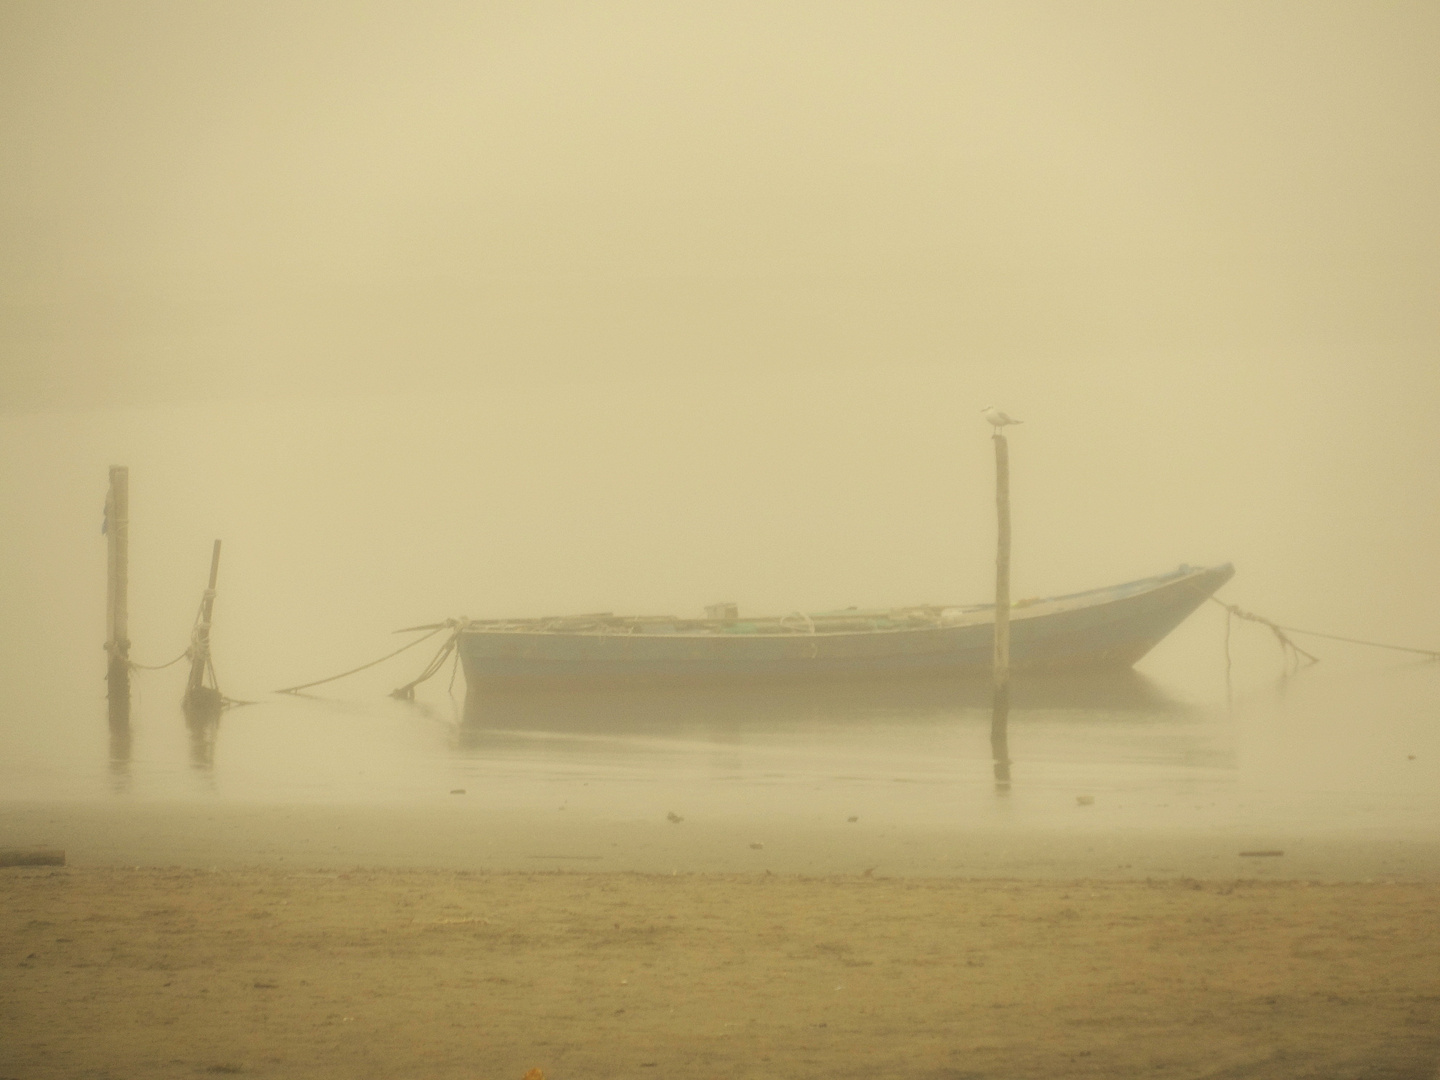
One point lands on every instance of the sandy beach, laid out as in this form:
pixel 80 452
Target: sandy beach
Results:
pixel 276 973
pixel 390 942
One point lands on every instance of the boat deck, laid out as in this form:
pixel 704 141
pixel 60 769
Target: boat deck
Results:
pixel 844 621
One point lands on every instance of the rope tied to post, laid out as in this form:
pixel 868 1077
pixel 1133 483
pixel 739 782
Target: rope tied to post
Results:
pixel 161 667
pixel 198 640
pixel 1294 651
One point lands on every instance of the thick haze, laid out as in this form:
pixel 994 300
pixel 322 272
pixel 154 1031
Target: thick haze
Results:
pixel 535 307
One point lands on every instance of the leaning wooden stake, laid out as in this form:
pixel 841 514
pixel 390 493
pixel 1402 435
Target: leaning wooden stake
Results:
pixel 198 696
pixel 117 613
pixel 1000 712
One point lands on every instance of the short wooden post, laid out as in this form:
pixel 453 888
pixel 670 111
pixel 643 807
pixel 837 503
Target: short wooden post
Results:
pixel 117 611
pixel 200 698
pixel 1000 711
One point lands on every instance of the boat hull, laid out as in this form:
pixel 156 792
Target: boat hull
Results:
pixel 1102 629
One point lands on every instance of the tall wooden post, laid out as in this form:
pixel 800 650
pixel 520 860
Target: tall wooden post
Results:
pixel 117 608
pixel 1000 711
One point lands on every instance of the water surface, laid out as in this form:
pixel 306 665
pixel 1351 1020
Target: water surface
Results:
pixel 345 520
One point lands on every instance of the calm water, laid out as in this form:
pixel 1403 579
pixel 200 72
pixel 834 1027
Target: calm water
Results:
pixel 343 523
pixel 1341 749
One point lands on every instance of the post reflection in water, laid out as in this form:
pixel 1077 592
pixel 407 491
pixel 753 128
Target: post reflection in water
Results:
pixel 120 748
pixel 731 710
pixel 202 719
pixel 1000 736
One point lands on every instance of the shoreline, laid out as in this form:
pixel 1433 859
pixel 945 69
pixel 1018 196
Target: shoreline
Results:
pixel 455 836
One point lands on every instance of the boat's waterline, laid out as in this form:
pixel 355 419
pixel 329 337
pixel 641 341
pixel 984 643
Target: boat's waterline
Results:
pixel 1111 627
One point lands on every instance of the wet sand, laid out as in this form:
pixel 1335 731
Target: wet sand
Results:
pixel 430 940
pixel 455 974
pixel 454 834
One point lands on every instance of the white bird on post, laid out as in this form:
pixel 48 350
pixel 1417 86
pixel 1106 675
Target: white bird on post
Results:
pixel 997 418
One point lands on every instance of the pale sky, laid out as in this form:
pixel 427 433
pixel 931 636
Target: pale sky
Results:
pixel 265 198
pixel 692 302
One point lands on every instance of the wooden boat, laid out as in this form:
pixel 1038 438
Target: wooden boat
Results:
pixel 1109 628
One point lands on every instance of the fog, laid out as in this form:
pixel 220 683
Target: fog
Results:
pixel 263 201
pixel 515 309
pixel 524 309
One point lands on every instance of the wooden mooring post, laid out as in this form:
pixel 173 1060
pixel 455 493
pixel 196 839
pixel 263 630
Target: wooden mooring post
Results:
pixel 1000 710
pixel 117 610
pixel 200 699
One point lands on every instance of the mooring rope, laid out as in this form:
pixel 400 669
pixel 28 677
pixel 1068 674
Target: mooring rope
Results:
pixel 1280 633
pixel 160 667
pixel 189 652
pixel 1292 651
pixel 437 662
pixel 1432 653
pixel 362 667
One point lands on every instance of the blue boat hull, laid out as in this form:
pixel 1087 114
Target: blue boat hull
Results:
pixel 1108 628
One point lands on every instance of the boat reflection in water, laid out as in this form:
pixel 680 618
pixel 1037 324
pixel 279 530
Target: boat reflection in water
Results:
pixel 729 708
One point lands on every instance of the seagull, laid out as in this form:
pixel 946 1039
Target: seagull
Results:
pixel 998 418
